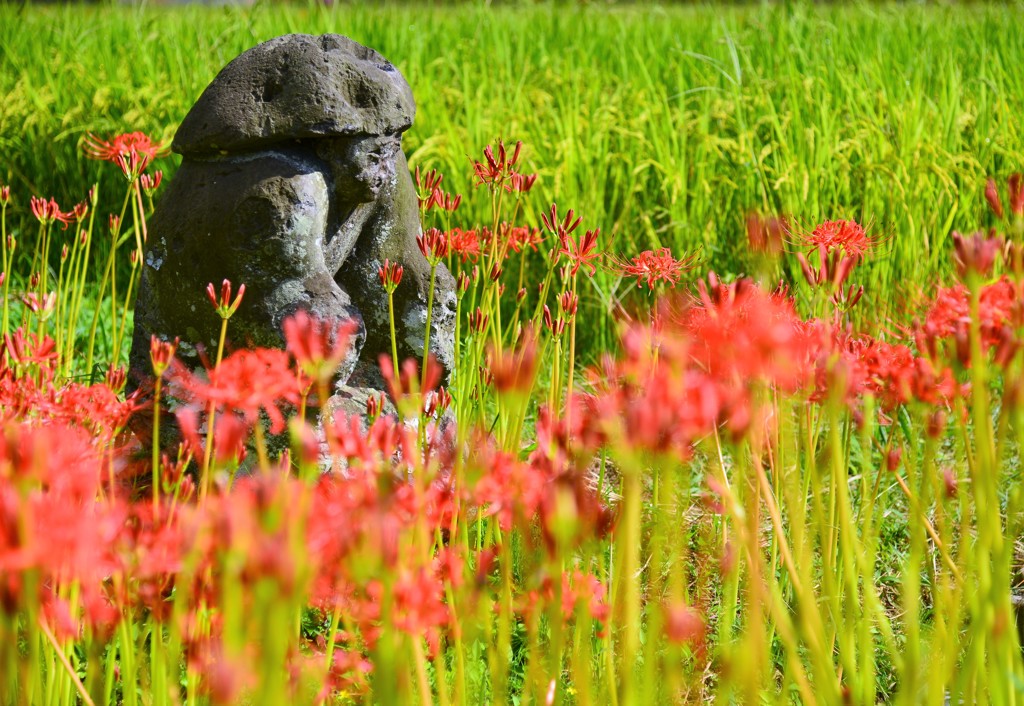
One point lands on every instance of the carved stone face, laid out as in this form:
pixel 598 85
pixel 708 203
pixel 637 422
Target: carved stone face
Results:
pixel 360 166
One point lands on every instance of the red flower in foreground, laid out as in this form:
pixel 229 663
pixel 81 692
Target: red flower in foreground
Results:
pixel 949 317
pixel 976 253
pixel 651 267
pixel 246 382
pixel 514 370
pixel 846 235
pixel 319 346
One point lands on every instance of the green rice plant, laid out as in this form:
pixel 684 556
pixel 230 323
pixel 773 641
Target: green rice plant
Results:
pixel 666 125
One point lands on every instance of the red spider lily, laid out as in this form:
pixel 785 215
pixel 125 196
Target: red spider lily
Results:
pixel 27 349
pixel 121 145
pixel 1015 184
pixel 437 403
pixel 555 326
pixel 478 321
pixel 509 489
pixel 408 380
pixel 40 306
pixel 992 196
pixel 740 330
pixel 949 316
pixel 224 306
pixel 651 267
pixel 114 224
pixel 569 303
pixel 229 437
pixel 684 625
pixel 560 228
pixel 434 245
pixel 318 346
pixel 514 371
pixel 390 274
pixel 348 674
pixel 161 353
pixel 496 170
pixel 131 151
pixel 444 201
pixel 375 405
pixel 1015 190
pixel 116 378
pixel 427 184
pixel 46 212
pixel 522 237
pixel 5 196
pixel 853 366
pixel 247 381
pixel 581 253
pixel 79 212
pixel 848 236
pixel 151 183
pixel 587 591
pixel 419 608
pixel 522 183
pixel 464 243
pixel 976 253
pixel 833 268
pixel 364 450
pixel 766 234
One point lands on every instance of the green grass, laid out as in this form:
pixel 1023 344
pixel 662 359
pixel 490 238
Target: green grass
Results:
pixel 663 126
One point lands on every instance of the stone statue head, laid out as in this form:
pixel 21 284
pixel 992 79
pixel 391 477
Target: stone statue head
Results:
pixel 360 165
pixel 300 88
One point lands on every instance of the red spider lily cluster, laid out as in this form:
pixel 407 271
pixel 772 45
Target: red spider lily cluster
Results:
pixel 269 546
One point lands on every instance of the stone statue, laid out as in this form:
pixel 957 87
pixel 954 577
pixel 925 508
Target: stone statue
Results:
pixel 294 183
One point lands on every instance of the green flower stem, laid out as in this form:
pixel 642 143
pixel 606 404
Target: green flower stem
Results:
pixel 572 362
pixel 394 337
pixel 7 264
pixel 107 274
pixel 79 290
pixel 426 337
pixel 211 416
pixel 156 444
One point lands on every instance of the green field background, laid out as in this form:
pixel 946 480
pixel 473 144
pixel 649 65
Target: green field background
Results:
pixel 663 126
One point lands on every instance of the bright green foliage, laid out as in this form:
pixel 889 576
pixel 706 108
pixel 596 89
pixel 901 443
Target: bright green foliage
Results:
pixel 662 125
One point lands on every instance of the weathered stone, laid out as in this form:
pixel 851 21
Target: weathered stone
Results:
pixel 297 87
pixel 294 183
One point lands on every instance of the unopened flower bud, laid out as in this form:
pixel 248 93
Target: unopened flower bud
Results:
pixel 992 196
pixel 892 459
